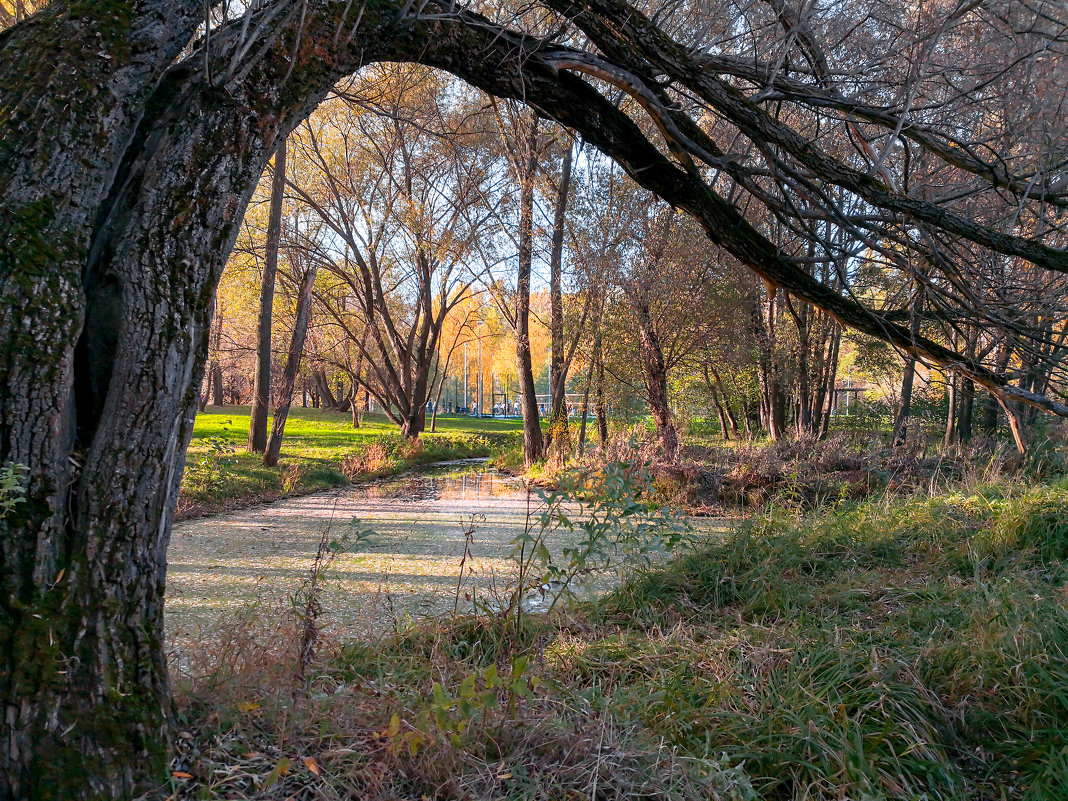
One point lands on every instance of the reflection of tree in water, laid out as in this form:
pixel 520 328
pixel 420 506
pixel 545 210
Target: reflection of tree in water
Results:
pixel 433 486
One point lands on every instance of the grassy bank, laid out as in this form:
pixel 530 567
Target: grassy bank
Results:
pixel 321 450
pixel 906 649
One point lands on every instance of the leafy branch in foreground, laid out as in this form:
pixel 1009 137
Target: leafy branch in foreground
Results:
pixel 11 488
pixel 610 523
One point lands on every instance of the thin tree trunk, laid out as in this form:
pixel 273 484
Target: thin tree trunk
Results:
pixel 832 378
pixel 533 442
pixel 557 367
pixel 585 408
pixel 601 405
pixel 218 398
pixel 723 426
pixel 949 438
pixel 714 392
pixel 214 385
pixel 655 371
pixel 322 386
pixel 731 419
pixel 964 411
pixel 289 373
pixel 990 405
pixel 901 422
pixel 354 406
pixel 261 392
pixel 771 400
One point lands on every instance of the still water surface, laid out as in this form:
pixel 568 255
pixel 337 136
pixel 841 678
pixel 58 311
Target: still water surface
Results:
pixel 409 567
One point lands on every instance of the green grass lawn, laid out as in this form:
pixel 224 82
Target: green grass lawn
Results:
pixel 321 449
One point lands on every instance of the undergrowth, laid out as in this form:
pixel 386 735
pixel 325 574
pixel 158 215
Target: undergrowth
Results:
pixel 891 649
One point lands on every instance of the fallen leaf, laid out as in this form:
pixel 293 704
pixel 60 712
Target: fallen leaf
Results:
pixel 178 774
pixel 312 765
pixel 281 769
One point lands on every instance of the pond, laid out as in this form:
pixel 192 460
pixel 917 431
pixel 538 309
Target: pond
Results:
pixel 253 561
pixel 408 568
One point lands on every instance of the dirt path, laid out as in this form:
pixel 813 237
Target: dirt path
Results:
pixel 408 568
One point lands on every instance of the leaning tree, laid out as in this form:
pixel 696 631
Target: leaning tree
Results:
pixel 132 135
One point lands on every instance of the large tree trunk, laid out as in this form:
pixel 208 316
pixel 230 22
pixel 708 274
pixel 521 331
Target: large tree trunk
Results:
pixel 289 373
pixel 123 232
pixel 121 187
pixel 261 392
pixel 98 389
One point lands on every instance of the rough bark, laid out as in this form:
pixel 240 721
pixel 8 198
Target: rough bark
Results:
pixel 115 281
pixel 81 559
pixel 122 176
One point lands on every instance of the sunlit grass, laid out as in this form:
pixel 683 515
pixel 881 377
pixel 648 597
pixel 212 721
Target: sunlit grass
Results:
pixel 321 449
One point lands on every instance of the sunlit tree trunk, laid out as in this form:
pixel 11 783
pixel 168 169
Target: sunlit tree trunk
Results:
pixel 557 364
pixel 261 391
pixel 772 412
pixel 533 442
pixel 289 373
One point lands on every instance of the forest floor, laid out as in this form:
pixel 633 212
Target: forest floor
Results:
pixel 321 450
pixel 891 648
